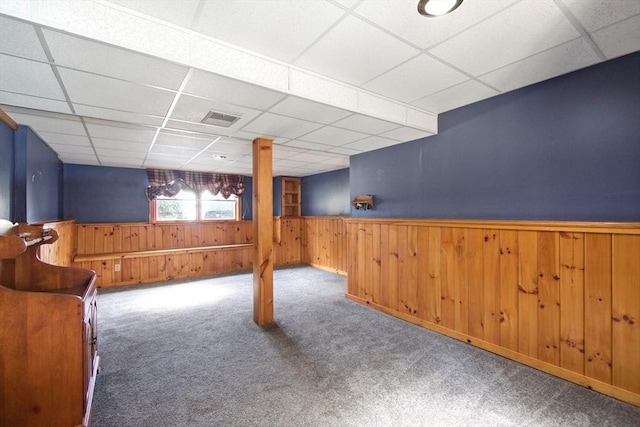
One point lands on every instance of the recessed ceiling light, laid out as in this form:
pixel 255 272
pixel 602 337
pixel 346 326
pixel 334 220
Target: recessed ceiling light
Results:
pixel 435 8
pixel 219 157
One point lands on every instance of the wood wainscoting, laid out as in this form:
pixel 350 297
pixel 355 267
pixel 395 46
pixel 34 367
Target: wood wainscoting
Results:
pixel 324 243
pixel 563 297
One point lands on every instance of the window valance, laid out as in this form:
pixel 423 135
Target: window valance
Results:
pixel 169 183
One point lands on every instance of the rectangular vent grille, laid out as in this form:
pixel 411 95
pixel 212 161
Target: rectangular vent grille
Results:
pixel 219 119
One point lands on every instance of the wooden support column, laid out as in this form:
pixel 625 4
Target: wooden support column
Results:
pixel 262 231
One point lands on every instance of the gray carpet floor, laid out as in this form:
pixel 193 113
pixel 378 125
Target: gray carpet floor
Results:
pixel 188 353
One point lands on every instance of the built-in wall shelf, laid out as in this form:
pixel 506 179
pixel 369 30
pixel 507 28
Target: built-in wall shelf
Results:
pixel 291 196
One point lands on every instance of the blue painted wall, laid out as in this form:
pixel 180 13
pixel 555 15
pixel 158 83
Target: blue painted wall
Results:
pixel 564 149
pixel 326 193
pixel 107 194
pixel 37 179
pixel 6 172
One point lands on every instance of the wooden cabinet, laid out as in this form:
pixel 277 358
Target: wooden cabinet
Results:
pixel 290 196
pixel 48 340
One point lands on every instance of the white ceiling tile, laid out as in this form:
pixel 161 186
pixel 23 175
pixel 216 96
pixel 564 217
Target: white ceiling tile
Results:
pixel 322 89
pixel 365 124
pixel 250 136
pixel 416 78
pixel 119 131
pixel 172 151
pixel 347 3
pixel 287 127
pixel 120 162
pixel 98 91
pixel 402 18
pixel 330 135
pixel 456 96
pixel 182 141
pixel 80 159
pixel 619 39
pixel 292 24
pixel 405 134
pixel 178 12
pixel 34 102
pixel 64 138
pixel 85 55
pixel 28 77
pixel 69 125
pixel 119 153
pixel 19 38
pixel 232 146
pixel 285 152
pixel 169 157
pixel 381 107
pixel 286 163
pixel 562 59
pixel 337 161
pixel 304 109
pixel 367 51
pixel 110 146
pixel 116 115
pixel 308 145
pixel 63 149
pixel 371 143
pixel 309 157
pixel 192 109
pixel 594 15
pixel 346 151
pixel 235 92
pixel 527 28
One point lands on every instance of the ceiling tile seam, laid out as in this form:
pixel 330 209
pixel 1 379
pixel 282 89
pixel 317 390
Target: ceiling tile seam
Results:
pixel 32 96
pixel 197 14
pixel 323 34
pixel 628 18
pixel 185 80
pixel 578 26
pixel 391 69
pixel 200 152
pixel 56 73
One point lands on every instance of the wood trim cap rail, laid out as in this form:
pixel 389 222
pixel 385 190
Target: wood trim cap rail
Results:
pixel 156 252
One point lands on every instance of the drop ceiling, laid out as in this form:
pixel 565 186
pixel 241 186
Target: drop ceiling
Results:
pixel 127 83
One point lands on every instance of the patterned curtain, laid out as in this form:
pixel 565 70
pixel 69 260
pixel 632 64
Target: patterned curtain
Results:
pixel 169 183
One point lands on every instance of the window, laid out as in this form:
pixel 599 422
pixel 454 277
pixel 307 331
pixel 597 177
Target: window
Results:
pixel 195 206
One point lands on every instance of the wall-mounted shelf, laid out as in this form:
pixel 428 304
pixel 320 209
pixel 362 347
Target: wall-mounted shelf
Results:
pixel 291 196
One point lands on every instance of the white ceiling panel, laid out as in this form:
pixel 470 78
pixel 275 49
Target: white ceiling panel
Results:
pixel 65 139
pixel 178 12
pixel 172 151
pixel 80 159
pixel 619 39
pixel 371 143
pixel 120 153
pixel 111 146
pixel 182 141
pixel 273 124
pixel 117 116
pixel 231 146
pixel 481 48
pixel 120 162
pixel 456 96
pixel 98 91
pixel 63 149
pixel 117 131
pixel 310 157
pixel 180 125
pixel 559 60
pixel 368 51
pixel 345 151
pixel 34 102
pixel 285 152
pixel 330 135
pixel 365 124
pixel 235 92
pixel 308 145
pixel 292 24
pixel 98 58
pixel 28 77
pixel 300 108
pixel 594 15
pixel 402 18
pixel 250 136
pixel 20 39
pixel 68 125
pixel 416 78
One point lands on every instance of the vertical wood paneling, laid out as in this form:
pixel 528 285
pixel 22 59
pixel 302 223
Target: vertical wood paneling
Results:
pixel 392 280
pixel 423 273
pixel 549 298
pixel 476 282
pixel 625 312
pixel 412 270
pixel 597 307
pixel 528 293
pixel 434 278
pixel 447 289
pixel 385 286
pixel 572 301
pixel 375 264
pixel 491 280
pixel 509 289
pixel 460 280
pixel 368 254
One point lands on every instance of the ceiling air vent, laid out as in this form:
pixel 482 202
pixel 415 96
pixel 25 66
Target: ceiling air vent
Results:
pixel 219 119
